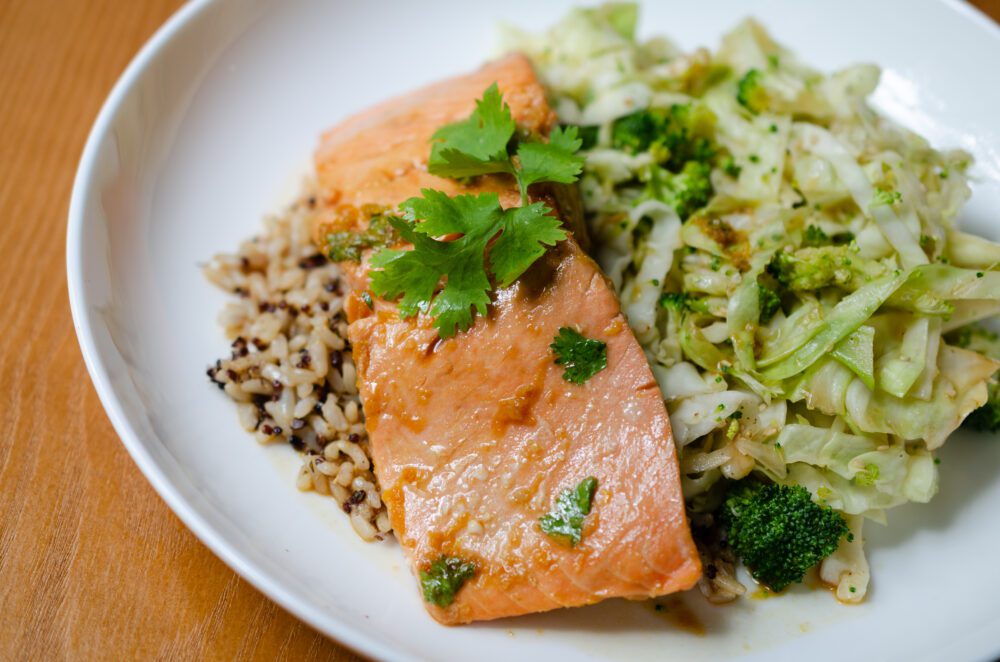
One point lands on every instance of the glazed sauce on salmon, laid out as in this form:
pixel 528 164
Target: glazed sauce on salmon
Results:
pixel 474 437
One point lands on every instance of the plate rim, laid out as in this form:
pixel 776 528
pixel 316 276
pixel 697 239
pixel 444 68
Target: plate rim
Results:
pixel 325 623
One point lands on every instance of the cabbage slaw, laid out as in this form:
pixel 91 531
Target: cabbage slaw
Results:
pixel 843 218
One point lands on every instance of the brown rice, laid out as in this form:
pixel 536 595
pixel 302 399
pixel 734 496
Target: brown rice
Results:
pixel 291 373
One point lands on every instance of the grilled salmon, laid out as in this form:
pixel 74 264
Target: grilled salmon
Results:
pixel 474 437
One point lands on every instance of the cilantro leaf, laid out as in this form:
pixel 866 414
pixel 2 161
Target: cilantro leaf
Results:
pixel 526 233
pixel 445 576
pixel 346 245
pixel 554 161
pixel 565 522
pixel 461 263
pixel 582 357
pixel 462 245
pixel 469 215
pixel 477 145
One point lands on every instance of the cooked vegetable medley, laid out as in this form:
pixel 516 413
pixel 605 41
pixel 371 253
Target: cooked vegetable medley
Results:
pixel 789 261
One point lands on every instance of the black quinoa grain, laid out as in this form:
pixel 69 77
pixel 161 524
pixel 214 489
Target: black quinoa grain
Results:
pixel 354 438
pixel 313 261
pixel 305 360
pixel 232 375
pixel 324 306
pixel 358 496
pixel 296 443
pixel 267 429
pixel 336 359
pixel 330 286
pixel 711 571
pixel 297 424
pixel 277 430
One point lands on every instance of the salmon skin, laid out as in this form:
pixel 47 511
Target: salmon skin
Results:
pixel 474 437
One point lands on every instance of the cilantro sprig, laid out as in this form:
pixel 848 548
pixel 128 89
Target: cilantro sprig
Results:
pixel 521 235
pixel 469 242
pixel 444 577
pixel 564 523
pixel 581 357
pixel 485 144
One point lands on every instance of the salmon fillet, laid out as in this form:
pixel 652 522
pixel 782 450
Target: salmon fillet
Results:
pixel 474 437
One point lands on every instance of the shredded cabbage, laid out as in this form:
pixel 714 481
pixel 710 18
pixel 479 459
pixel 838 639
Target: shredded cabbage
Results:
pixel 787 258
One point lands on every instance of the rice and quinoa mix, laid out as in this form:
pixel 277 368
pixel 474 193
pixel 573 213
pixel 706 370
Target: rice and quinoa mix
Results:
pixel 291 373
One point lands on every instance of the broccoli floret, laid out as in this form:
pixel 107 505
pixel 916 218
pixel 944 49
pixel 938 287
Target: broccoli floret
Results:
pixel 778 531
pixel 682 302
pixel 686 191
pixel 636 132
pixel 812 268
pixel 588 136
pixel 769 301
pixel 979 339
pixel 750 91
pixel 674 137
pixel 815 236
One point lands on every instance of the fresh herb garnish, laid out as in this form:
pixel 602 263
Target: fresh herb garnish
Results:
pixel 480 145
pixel 565 522
pixel 516 237
pixel 524 232
pixel 581 357
pixel 346 245
pixel 445 576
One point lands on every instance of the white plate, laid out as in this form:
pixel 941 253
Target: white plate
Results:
pixel 205 132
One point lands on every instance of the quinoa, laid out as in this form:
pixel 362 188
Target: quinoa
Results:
pixel 290 371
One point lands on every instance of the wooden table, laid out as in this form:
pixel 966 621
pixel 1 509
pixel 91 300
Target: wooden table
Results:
pixel 93 565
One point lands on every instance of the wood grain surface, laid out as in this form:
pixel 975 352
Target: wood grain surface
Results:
pixel 93 565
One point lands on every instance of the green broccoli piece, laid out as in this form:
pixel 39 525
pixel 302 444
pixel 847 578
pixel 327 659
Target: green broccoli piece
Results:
pixel 686 191
pixel 675 136
pixel 687 134
pixel 770 303
pixel 779 531
pixel 980 339
pixel 750 91
pixel 812 268
pixel 682 302
pixel 638 131
pixel 815 236
pixel 588 136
